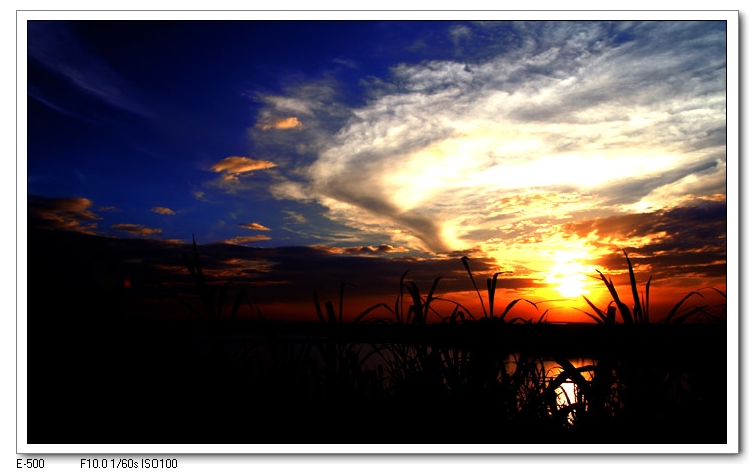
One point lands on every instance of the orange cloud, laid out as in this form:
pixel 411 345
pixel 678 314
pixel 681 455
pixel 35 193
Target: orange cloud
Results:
pixel 234 166
pixel 62 213
pixel 714 198
pixel 135 229
pixel 286 123
pixel 247 239
pixel 163 210
pixel 254 226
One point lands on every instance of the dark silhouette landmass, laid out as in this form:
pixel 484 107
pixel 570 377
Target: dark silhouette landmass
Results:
pixel 97 373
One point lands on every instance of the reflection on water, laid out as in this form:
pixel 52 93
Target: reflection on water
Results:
pixel 569 394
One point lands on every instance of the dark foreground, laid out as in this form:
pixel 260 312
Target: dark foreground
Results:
pixel 242 382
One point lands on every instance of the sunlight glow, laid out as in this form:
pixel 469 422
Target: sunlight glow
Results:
pixel 568 274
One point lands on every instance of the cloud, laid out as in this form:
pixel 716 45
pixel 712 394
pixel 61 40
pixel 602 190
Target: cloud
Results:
pixel 200 195
pixel 135 229
pixel 320 103
pixel 72 214
pixel 247 239
pixel 234 167
pixel 254 226
pixel 582 109
pixel 163 210
pixel 686 240
pixel 708 183
pixel 286 123
pixel 362 250
pixel 280 280
pixel 703 218
pixel 288 189
pixel 296 217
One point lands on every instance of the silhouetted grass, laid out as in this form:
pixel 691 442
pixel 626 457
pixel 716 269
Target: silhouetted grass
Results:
pixel 491 287
pixel 640 312
pixel 515 386
pixel 460 379
pixel 212 296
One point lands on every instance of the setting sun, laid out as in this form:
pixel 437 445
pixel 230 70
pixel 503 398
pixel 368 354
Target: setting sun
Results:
pixel 568 274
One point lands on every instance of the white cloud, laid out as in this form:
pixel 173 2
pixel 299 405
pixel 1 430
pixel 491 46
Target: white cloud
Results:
pixel 587 107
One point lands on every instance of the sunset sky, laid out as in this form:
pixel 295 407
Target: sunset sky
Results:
pixel 305 154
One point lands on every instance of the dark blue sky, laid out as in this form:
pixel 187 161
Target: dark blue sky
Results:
pixel 132 114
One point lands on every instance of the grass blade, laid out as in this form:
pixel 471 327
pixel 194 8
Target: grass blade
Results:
pixel 595 308
pixel 400 310
pixel 464 260
pixel 459 305
pixel 240 298
pixel 511 305
pixel 430 297
pixel 369 310
pixel 331 312
pixel 598 320
pixel 647 300
pixel 318 308
pixel 690 312
pixel 623 309
pixel 676 307
pixel 638 314
pixel 416 308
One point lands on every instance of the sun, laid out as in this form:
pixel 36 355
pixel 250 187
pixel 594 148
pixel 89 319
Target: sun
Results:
pixel 568 273
pixel 572 286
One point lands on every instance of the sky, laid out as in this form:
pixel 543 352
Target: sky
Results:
pixel 303 155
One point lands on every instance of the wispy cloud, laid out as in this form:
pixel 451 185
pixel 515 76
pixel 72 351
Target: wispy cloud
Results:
pixel 296 217
pixel 254 226
pixel 163 210
pixel 234 167
pixel 318 103
pixel 199 195
pixel 56 46
pixel 708 183
pixel 136 229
